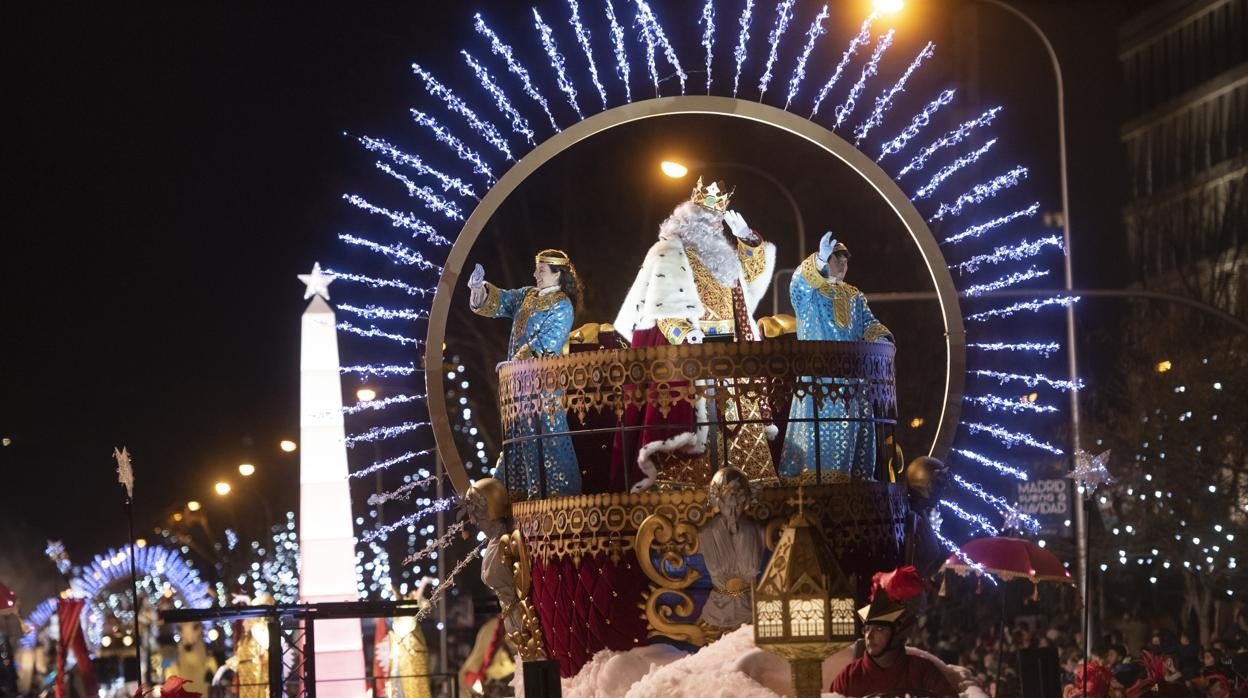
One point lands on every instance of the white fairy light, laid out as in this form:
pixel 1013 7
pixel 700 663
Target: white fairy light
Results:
pixel 979 229
pixel 950 139
pixel 868 71
pixel 557 62
pixel 1011 438
pixel 621 55
pixel 374 332
pixel 519 124
pixel 397 252
pixel 981 192
pixel 747 14
pixel 949 170
pixel 1016 252
pixel 485 129
pixel 885 100
pixel 583 38
pixel 784 15
pixel 464 152
pixel 377 145
pixel 383 433
pixel 860 39
pixel 1005 282
pixel 815 31
pixel 1024 306
pixel 504 51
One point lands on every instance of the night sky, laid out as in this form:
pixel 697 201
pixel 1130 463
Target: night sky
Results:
pixel 170 171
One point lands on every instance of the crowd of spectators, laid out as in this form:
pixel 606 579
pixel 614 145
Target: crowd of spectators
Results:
pixel 1134 656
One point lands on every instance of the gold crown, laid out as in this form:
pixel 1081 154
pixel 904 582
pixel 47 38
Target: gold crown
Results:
pixel 712 196
pixel 556 257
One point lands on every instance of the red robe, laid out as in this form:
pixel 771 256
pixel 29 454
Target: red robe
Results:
pixel 863 677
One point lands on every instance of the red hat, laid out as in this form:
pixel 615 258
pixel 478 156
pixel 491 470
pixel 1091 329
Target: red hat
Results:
pixel 1098 679
pixel 895 596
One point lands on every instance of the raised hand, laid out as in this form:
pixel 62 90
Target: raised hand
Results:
pixel 826 243
pixel 477 278
pixel 736 223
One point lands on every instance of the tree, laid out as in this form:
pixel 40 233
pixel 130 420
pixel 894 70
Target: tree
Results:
pixel 1180 500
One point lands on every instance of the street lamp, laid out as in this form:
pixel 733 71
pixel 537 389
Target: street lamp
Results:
pixel 288 446
pixel 193 505
pixel 888 6
pixel 222 488
pixel 246 469
pixel 366 394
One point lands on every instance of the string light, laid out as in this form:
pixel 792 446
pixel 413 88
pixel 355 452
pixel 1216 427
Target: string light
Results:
pixel 377 145
pixel 862 38
pixel 377 333
pixel 380 313
pixel 1030 381
pixel 784 15
pixel 621 56
pixel 1045 349
pixel 448 138
pixel 1013 514
pixel 707 20
pixel 948 140
pixel 485 129
pixel 382 404
pixel 744 21
pixel 1004 282
pixel 815 31
pixel 407 220
pixel 402 219
pixel 583 38
pixel 1011 438
pixel 981 192
pixel 1004 253
pixel 383 433
pixel 993 403
pixel 380 370
pixel 885 100
pixel 983 523
pixel 652 33
pixel 868 71
pixel 402 492
pixel 448 582
pixel 953 548
pixel 1029 306
pixel 438 545
pixel 997 465
pixel 557 62
pixel 397 252
pixel 948 170
pixel 438 505
pixel 504 51
pixel 519 124
pixel 376 282
pixel 382 465
pixel 977 230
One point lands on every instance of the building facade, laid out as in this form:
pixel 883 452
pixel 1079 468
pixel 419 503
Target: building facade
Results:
pixel 1185 73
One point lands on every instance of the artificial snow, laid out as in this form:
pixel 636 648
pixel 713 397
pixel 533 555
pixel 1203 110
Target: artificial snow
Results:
pixel 730 667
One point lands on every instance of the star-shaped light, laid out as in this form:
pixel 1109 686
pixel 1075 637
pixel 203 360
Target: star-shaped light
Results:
pixel 317 282
pixel 1012 520
pixel 125 474
pixel 1090 471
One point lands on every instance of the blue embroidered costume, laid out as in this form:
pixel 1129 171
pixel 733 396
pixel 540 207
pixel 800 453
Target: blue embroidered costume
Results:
pixel 828 309
pixel 541 321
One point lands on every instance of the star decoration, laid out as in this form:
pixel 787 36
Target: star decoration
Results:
pixel 125 474
pixel 1090 471
pixel 1012 520
pixel 317 282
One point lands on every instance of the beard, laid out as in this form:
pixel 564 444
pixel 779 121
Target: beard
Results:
pixel 702 231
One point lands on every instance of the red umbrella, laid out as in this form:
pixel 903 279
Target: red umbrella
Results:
pixel 8 601
pixel 1010 558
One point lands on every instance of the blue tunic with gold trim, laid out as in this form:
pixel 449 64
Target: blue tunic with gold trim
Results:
pixel 827 309
pixel 541 322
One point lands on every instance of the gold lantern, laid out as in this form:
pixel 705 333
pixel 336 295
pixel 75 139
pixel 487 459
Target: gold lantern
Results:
pixel 803 605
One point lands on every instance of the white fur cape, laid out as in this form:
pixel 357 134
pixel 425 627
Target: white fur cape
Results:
pixel 664 289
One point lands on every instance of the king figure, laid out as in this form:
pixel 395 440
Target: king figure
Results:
pixel 827 308
pixel 696 284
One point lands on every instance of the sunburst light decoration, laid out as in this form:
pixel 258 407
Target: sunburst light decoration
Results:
pixel 521 84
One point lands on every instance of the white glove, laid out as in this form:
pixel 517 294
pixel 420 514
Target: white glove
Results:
pixel 826 243
pixel 477 278
pixel 695 336
pixel 737 225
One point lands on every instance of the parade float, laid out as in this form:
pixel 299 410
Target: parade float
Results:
pixel 691 535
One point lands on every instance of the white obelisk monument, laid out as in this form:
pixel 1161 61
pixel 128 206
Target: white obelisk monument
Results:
pixel 326 537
